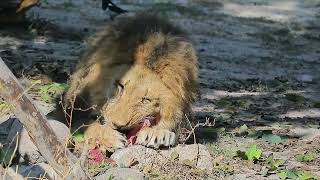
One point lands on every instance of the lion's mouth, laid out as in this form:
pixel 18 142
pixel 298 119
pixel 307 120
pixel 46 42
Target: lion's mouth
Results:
pixel 145 122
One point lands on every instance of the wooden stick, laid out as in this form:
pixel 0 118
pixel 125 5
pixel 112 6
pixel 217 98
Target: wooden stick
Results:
pixel 56 154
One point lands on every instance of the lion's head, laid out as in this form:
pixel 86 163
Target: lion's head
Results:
pixel 138 96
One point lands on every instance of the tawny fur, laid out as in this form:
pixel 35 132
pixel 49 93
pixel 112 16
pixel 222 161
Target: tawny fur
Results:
pixel 140 66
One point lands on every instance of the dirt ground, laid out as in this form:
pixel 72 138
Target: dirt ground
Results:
pixel 259 73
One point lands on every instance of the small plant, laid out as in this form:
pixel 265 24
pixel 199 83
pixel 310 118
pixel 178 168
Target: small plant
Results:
pixel 51 91
pixel 308 157
pixel 78 137
pixel 274 164
pixel 294 174
pixel 251 154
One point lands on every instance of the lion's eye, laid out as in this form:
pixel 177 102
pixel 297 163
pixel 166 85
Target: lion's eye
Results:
pixel 145 100
pixel 120 87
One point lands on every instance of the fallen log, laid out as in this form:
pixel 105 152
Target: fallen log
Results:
pixel 57 155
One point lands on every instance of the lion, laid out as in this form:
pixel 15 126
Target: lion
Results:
pixel 140 67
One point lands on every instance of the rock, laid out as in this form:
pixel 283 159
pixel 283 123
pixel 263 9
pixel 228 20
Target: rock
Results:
pixel 26 148
pixel 10 174
pixel 198 154
pixel 140 154
pixel 6 126
pixel 4 118
pixel 36 171
pixel 121 174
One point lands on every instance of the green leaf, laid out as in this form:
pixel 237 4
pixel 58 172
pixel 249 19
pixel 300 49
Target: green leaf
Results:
pixel 283 175
pixel 306 176
pixel 294 174
pixel 253 152
pixel 78 137
pixel 274 163
pixel 174 155
pixel 272 138
pixel 242 155
pixel 264 172
pixel 308 157
pixel 50 91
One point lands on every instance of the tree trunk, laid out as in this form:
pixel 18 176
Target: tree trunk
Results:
pixel 56 154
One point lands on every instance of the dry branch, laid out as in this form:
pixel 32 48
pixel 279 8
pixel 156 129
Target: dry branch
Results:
pixel 207 123
pixel 56 154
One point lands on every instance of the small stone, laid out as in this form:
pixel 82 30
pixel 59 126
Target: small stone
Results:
pixel 36 171
pixel 143 155
pixel 26 148
pixel 121 174
pixel 198 154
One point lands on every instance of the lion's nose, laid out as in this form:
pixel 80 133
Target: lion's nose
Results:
pixel 120 126
pixel 156 102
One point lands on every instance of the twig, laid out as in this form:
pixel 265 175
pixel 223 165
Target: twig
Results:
pixel 87 109
pixel 70 115
pixel 207 123
pixel 14 152
pixel 192 131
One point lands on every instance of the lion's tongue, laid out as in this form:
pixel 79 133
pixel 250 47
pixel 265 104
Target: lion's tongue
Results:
pixel 132 135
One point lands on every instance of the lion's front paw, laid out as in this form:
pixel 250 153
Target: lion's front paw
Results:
pixel 116 139
pixel 156 137
pixel 105 137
